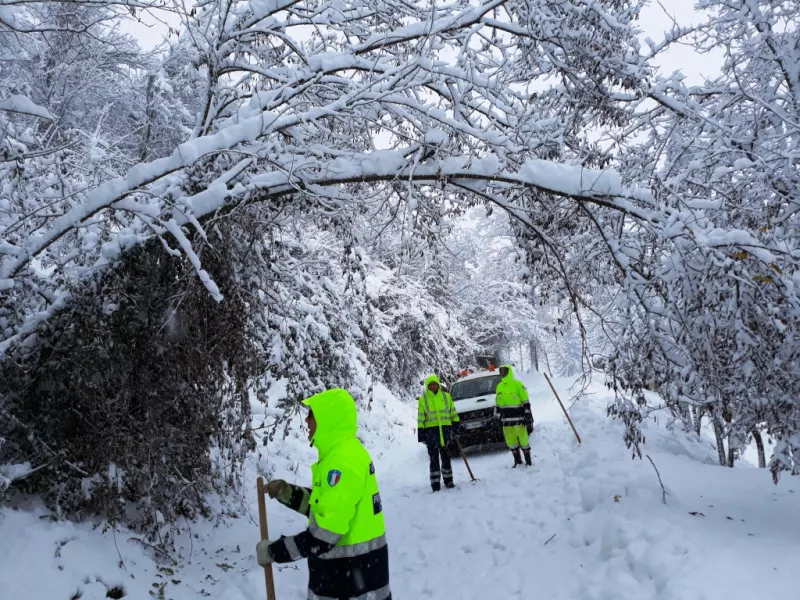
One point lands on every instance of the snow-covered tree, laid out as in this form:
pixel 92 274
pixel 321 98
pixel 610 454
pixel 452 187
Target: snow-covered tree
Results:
pixel 340 141
pixel 298 117
pixel 713 277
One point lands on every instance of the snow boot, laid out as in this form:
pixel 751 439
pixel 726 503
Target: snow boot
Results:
pixel 517 458
pixel 436 488
pixel 527 454
pixel 449 485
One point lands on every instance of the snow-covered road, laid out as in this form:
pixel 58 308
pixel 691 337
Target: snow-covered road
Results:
pixel 584 523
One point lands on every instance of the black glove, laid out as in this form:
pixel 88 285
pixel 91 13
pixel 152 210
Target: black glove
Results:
pixel 279 490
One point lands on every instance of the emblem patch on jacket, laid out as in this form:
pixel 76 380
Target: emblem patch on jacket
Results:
pixel 377 506
pixel 334 477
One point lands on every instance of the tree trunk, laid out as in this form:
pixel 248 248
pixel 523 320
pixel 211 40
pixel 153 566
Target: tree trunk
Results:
pixel 547 363
pixel 149 118
pixel 698 420
pixel 762 457
pixel 717 422
pixel 731 454
pixel 534 353
pixel 687 416
pixel 727 415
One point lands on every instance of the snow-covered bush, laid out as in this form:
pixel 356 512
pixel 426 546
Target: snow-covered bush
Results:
pixel 120 397
pixel 306 323
pixel 413 331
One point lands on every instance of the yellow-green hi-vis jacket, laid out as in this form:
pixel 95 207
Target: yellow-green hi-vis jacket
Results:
pixel 512 400
pixel 435 410
pixel 345 542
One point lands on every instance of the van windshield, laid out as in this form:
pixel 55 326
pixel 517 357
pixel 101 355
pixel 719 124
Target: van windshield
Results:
pixel 472 388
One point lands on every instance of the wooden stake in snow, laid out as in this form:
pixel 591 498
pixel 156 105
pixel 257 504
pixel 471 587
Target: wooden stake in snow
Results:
pixel 464 456
pixel 575 431
pixel 262 520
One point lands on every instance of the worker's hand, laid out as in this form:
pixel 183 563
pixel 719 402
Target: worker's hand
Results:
pixel 279 490
pixel 262 553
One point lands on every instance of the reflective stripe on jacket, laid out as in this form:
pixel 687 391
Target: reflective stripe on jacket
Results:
pixel 512 400
pixel 345 542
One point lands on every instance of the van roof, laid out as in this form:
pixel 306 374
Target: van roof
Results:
pixel 478 375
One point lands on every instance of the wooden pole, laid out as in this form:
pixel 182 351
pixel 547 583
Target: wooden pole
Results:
pixel 575 431
pixel 464 456
pixel 262 521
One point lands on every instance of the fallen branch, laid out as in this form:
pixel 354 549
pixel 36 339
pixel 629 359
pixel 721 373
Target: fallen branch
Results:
pixel 161 551
pixel 664 492
pixel 548 541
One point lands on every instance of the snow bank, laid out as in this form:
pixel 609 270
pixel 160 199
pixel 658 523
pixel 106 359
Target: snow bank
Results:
pixel 723 533
pixel 42 559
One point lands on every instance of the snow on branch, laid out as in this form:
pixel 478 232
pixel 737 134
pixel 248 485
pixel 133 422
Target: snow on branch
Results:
pixel 23 105
pixel 547 176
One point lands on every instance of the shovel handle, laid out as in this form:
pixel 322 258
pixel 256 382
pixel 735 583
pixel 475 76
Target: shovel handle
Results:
pixel 464 457
pixel 262 521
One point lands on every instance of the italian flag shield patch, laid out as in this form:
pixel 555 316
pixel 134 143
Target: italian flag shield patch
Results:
pixel 334 477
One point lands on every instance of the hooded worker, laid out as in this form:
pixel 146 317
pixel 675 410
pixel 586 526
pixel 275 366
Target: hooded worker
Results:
pixel 345 542
pixel 436 415
pixel 515 413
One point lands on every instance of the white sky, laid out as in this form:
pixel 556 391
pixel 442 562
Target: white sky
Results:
pixel 151 30
pixel 654 21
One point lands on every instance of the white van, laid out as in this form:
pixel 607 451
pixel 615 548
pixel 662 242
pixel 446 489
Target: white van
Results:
pixel 475 401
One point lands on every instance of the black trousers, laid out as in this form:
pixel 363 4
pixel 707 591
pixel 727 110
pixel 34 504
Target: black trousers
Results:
pixel 440 464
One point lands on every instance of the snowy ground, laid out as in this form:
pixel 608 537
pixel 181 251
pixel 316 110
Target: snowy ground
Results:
pixel 583 524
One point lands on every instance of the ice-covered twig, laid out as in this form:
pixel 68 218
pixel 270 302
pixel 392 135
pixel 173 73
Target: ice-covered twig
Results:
pixel 664 492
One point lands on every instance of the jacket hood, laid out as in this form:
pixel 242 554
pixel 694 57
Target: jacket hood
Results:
pixel 336 416
pixel 431 378
pixel 510 371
